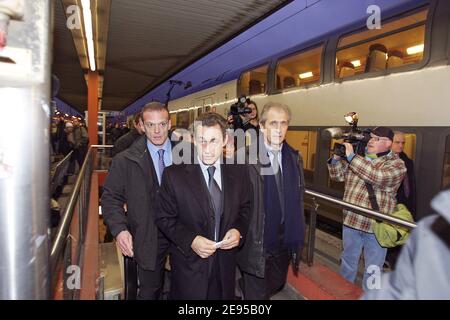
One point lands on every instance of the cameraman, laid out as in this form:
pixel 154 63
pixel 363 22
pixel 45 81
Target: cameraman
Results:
pixel 251 120
pixel 384 171
pixel 246 121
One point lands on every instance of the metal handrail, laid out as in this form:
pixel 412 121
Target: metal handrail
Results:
pixel 62 233
pixel 58 173
pixel 63 228
pixel 364 211
pixel 67 157
pixel 102 146
pixel 359 210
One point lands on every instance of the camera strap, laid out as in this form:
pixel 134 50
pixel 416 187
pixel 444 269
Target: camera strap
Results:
pixel 372 197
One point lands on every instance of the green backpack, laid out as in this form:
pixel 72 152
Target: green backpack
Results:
pixel 390 235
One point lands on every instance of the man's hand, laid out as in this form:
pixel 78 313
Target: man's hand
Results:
pixel 125 242
pixel 348 149
pixel 203 247
pixel 231 239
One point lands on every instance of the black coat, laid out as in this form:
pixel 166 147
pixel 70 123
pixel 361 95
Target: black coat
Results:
pixel 251 256
pixel 186 212
pixel 132 180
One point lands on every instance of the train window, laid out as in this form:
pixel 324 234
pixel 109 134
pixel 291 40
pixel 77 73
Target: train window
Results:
pixel 446 169
pixel 254 81
pixel 370 51
pixel 306 143
pixel 299 70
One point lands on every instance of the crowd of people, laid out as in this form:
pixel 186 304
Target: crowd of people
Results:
pixel 215 218
pixel 69 134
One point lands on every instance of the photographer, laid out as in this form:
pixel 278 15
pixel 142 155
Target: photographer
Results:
pixel 384 171
pixel 251 120
pixel 244 115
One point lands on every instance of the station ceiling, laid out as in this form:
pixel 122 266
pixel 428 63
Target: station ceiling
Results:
pixel 141 43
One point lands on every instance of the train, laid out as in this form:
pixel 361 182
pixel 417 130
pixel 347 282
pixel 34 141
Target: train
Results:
pixel 397 76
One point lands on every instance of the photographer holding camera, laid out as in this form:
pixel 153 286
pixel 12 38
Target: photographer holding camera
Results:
pixel 378 169
pixel 244 115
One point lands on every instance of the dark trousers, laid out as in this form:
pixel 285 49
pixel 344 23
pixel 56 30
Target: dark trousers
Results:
pixel 276 268
pixel 214 280
pixel 150 283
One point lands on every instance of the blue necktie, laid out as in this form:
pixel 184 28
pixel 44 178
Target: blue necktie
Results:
pixel 161 165
pixel 216 198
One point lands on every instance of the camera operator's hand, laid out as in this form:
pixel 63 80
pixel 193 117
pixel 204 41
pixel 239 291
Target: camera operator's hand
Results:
pixel 230 119
pixel 348 149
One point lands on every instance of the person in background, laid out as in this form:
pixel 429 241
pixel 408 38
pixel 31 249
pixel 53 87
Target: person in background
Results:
pixel 81 141
pixel 251 120
pixel 125 141
pixel 406 193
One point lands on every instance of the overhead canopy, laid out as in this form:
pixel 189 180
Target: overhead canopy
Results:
pixel 147 42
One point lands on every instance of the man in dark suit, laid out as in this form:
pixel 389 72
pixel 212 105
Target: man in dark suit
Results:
pixel 129 204
pixel 204 211
pixel 406 193
pixel 276 233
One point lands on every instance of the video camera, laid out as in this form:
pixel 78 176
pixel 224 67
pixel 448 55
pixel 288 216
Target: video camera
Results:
pixel 236 110
pixel 356 137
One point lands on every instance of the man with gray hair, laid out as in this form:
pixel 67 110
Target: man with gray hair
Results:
pixel 276 231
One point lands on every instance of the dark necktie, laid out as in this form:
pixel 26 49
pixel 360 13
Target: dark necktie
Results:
pixel 279 180
pixel 216 198
pixel 161 165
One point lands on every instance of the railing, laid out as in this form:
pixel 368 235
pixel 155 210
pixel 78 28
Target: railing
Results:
pixel 59 173
pixel 71 231
pixel 357 209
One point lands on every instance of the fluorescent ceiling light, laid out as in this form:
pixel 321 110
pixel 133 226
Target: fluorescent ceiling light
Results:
pixel 87 18
pixel 416 49
pixel 305 75
pixel 356 63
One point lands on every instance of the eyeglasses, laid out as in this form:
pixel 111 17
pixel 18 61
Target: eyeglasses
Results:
pixel 151 125
pixel 378 138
